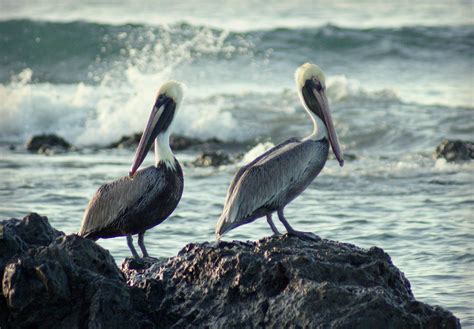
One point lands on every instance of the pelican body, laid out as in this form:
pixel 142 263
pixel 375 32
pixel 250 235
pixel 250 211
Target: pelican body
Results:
pixel 145 198
pixel 276 177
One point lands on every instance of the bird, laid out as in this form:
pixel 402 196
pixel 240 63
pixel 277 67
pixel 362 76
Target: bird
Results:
pixel 145 198
pixel 276 177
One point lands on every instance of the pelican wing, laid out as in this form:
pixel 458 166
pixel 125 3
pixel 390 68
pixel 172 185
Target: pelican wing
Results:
pixel 252 163
pixel 266 182
pixel 114 200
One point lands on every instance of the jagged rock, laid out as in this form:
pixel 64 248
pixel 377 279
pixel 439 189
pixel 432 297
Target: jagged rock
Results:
pixel 58 281
pixel 282 282
pixel 70 283
pixel 17 236
pixel 454 150
pixel 48 144
pixel 127 141
pixel 347 156
pixel 177 142
pixel 212 158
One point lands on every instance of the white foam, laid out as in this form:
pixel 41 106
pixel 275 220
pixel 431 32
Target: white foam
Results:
pixel 88 115
pixel 256 151
pixel 340 88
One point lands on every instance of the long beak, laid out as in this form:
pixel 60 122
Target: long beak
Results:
pixel 322 109
pixel 152 129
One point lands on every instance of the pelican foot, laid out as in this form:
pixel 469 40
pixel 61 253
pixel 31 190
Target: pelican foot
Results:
pixel 304 235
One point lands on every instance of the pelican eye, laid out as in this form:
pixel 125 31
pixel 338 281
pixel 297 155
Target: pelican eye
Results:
pixel 317 84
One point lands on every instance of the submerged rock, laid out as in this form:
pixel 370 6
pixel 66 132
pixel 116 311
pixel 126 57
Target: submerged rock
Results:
pixel 212 158
pixel 48 144
pixel 177 142
pixel 127 141
pixel 454 150
pixel 347 156
pixel 58 281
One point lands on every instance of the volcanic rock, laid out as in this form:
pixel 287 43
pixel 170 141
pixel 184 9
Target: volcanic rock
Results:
pixel 52 280
pixel 212 158
pixel 48 144
pixel 282 282
pixel 58 281
pixel 454 150
pixel 177 142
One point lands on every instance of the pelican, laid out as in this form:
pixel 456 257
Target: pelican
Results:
pixel 276 177
pixel 144 199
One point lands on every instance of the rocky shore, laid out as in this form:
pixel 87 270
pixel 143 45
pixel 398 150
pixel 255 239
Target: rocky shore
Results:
pixel 52 280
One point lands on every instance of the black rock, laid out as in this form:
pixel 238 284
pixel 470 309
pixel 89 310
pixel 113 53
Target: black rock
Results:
pixel 55 281
pixel 70 283
pixel 177 142
pixel 282 282
pixel 455 150
pixel 128 141
pixel 212 158
pixel 48 144
pixel 347 156
pixel 17 236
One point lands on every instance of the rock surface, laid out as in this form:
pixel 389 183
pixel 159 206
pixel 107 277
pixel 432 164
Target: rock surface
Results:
pixel 177 142
pixel 282 282
pixel 454 150
pixel 58 281
pixel 212 158
pixel 48 144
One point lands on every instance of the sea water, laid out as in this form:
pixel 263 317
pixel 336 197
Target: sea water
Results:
pixel 399 80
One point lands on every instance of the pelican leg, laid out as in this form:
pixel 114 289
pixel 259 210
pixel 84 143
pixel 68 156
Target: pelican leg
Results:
pixel 141 243
pixel 292 231
pixel 272 225
pixel 130 245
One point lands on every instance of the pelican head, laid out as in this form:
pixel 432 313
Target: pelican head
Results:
pixel 167 102
pixel 311 85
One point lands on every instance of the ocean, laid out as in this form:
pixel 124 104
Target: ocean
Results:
pixel 400 79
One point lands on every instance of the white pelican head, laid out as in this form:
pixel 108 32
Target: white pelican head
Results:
pixel 167 103
pixel 311 85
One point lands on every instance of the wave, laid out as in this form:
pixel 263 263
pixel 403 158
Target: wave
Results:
pixel 90 115
pixel 93 83
pixel 86 52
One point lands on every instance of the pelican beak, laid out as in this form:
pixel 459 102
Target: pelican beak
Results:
pixel 159 120
pixel 317 102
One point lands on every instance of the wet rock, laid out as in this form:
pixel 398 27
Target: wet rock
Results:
pixel 177 142
pixel 55 281
pixel 129 141
pixel 48 144
pixel 58 281
pixel 282 282
pixel 17 236
pixel 212 158
pixel 454 150
pixel 347 156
